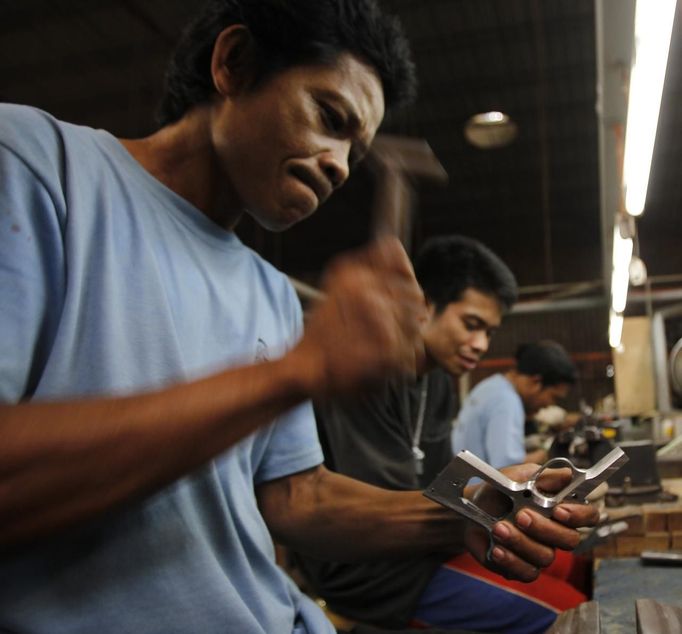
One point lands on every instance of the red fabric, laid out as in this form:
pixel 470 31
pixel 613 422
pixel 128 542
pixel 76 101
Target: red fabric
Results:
pixel 552 587
pixel 464 594
pixel 575 569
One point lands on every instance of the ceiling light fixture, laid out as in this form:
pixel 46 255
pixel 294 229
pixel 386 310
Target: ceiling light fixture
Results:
pixel 488 130
pixel 653 26
pixel 637 271
pixel 620 277
pixel 615 329
pixel 620 274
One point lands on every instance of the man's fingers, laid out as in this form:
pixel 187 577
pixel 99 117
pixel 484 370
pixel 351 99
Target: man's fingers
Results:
pixel 521 472
pixel 576 515
pixel 545 530
pixel 598 493
pixel 524 546
pixel 503 560
pixel 510 566
pixel 553 480
pixel 369 327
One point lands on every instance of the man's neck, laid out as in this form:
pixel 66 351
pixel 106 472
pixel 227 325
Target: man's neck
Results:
pixel 181 157
pixel 513 377
pixel 426 364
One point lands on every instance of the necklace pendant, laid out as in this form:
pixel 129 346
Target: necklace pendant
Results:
pixel 418 455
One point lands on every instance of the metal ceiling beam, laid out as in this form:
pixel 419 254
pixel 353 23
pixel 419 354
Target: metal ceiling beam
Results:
pixel 552 305
pixel 614 33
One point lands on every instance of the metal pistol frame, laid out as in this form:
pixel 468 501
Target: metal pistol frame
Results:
pixel 448 487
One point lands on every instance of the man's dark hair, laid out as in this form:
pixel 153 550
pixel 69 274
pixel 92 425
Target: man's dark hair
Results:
pixel 288 33
pixel 549 360
pixel 449 265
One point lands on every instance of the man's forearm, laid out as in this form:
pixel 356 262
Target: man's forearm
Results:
pixel 68 461
pixel 331 516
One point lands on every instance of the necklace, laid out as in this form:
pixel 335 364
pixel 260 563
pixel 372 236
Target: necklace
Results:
pixel 417 452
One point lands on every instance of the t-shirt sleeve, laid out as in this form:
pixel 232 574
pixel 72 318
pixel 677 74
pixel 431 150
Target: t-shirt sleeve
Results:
pixel 292 443
pixel 504 434
pixel 31 275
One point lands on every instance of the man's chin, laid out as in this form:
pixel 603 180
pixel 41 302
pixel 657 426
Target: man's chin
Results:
pixel 282 220
pixel 455 370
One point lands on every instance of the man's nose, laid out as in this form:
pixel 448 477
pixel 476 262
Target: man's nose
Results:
pixel 334 164
pixel 480 342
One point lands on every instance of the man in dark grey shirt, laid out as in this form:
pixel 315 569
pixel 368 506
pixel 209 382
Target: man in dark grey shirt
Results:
pixel 399 439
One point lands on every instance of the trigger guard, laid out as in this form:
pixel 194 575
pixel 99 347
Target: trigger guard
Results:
pixel 552 463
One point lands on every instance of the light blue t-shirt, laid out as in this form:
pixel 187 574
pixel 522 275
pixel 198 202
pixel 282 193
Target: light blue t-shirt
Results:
pixel 491 423
pixel 110 283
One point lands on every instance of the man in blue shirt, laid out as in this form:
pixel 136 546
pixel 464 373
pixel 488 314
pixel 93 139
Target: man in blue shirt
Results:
pixel 491 421
pixel 155 379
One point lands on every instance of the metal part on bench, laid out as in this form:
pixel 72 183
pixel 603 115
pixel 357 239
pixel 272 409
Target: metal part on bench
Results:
pixel 599 534
pixel 657 618
pixel 448 487
pixel 661 557
pixel 581 620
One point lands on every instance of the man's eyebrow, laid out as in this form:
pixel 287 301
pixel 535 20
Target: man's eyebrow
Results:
pixel 475 318
pixel 360 148
pixel 481 322
pixel 353 117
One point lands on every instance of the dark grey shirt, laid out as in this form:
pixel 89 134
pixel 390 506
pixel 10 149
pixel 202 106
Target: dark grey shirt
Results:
pixel 371 439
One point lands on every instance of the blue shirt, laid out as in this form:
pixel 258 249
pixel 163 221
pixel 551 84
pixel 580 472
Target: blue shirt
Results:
pixel 110 283
pixel 491 423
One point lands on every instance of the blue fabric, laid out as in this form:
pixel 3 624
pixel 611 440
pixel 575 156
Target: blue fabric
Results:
pixel 491 422
pixel 454 600
pixel 110 284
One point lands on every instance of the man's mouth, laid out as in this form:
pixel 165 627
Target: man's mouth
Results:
pixel 318 185
pixel 468 362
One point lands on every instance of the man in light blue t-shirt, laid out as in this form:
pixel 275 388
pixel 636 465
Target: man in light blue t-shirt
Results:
pixel 155 380
pixel 491 421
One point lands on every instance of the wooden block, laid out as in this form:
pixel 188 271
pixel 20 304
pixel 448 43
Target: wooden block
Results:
pixel 675 521
pixel 629 545
pixel 657 541
pixel 656 522
pixel 676 540
pixel 635 525
pixel 634 376
pixel 605 550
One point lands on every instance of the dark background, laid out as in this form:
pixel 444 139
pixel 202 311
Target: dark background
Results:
pixel 534 202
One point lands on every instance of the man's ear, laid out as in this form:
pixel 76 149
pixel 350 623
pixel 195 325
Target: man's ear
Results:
pixel 232 63
pixel 536 382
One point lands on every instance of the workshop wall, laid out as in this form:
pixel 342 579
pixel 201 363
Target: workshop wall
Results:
pixel 579 331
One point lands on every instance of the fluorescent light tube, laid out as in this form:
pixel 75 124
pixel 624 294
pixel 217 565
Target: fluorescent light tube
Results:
pixel 615 329
pixel 620 274
pixel 653 25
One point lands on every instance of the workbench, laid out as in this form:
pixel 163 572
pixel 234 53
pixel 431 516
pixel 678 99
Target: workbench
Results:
pixel 618 583
pixel 620 580
pixel 655 526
